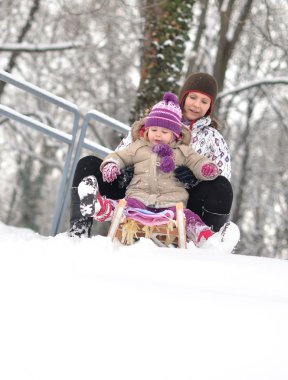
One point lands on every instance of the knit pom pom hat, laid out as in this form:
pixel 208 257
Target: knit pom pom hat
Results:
pixel 199 82
pixel 166 114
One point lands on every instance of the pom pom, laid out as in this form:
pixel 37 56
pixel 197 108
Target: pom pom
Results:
pixel 162 150
pixel 167 164
pixel 170 97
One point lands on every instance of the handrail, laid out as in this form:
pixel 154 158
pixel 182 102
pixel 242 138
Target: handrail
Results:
pixel 61 136
pixel 37 91
pixel 35 124
pixel 64 191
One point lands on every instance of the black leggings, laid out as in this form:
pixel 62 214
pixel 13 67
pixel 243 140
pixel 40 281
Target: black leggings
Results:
pixel 211 196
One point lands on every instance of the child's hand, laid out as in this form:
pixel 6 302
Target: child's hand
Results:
pixel 209 170
pixel 110 172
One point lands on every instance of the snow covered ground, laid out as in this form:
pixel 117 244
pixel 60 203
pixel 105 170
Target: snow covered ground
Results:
pixel 93 309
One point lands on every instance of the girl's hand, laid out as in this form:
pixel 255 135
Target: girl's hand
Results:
pixel 209 170
pixel 110 172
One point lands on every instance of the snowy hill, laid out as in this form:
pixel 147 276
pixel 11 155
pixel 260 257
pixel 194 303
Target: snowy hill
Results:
pixel 93 309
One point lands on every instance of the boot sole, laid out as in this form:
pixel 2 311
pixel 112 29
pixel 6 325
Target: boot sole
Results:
pixel 88 193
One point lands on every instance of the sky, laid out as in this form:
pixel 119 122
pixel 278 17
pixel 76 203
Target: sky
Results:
pixel 95 309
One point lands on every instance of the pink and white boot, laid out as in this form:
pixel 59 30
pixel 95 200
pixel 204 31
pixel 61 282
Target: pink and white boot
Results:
pixel 203 237
pixel 92 204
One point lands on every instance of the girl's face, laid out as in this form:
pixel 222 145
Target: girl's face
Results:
pixel 196 105
pixel 159 135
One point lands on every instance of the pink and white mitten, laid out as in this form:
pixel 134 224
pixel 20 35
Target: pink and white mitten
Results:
pixel 209 170
pixel 110 172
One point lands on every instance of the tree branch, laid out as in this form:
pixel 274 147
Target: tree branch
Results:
pixel 39 48
pixel 235 90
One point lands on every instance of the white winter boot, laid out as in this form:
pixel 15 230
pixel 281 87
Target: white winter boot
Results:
pixel 225 240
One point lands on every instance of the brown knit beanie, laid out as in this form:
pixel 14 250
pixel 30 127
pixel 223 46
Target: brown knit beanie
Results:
pixel 199 82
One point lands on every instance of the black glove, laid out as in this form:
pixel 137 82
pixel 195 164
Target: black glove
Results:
pixel 186 176
pixel 125 177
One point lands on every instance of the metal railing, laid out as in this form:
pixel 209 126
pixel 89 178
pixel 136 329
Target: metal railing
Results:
pixel 74 150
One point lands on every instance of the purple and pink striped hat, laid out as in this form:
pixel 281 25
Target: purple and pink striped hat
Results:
pixel 166 114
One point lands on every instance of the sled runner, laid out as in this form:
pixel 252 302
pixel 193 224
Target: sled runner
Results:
pixel 128 225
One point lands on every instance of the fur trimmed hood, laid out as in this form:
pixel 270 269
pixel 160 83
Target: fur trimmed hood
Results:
pixel 139 124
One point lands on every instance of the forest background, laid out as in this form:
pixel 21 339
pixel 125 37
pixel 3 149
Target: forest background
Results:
pixel 118 57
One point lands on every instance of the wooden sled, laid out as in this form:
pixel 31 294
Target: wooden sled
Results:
pixel 128 230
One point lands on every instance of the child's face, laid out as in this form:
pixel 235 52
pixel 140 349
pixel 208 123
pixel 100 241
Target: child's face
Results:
pixel 196 105
pixel 160 135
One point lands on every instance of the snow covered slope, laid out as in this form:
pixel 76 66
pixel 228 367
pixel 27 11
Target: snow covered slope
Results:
pixel 93 309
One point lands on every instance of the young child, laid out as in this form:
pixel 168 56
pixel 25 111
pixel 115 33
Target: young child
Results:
pixel 158 147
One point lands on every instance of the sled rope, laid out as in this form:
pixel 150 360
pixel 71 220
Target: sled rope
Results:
pixel 170 226
pixel 129 232
pixel 148 231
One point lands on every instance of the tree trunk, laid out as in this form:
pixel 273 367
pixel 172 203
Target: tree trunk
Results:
pixel 228 38
pixel 167 24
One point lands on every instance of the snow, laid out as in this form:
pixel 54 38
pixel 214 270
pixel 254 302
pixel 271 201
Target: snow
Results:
pixel 94 309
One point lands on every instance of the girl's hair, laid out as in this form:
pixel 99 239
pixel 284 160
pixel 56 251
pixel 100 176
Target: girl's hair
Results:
pixel 145 134
pixel 215 123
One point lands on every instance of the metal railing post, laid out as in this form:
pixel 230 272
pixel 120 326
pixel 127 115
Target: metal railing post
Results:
pixel 99 150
